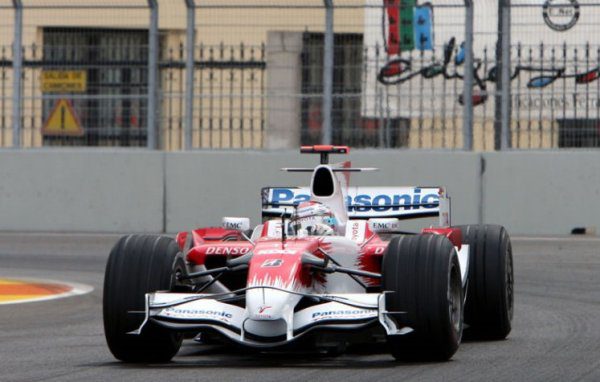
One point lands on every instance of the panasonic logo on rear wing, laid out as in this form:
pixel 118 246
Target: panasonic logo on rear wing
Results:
pixel 362 202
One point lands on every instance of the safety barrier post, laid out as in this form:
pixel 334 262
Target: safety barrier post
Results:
pixel 505 75
pixel 17 66
pixel 327 73
pixel 189 72
pixel 152 75
pixel 468 79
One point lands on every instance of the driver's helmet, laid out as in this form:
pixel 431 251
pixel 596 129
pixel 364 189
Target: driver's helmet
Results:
pixel 314 219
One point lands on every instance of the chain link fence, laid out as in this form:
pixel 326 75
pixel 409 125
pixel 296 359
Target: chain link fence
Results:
pixel 413 74
pixel 83 69
pixel 267 74
pixel 554 76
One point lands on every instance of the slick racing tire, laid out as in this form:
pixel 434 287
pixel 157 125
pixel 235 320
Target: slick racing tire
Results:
pixel 138 264
pixel 421 274
pixel 490 297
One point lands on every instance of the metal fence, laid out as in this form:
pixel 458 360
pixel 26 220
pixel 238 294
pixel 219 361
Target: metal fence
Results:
pixel 79 73
pixel 185 74
pixel 554 78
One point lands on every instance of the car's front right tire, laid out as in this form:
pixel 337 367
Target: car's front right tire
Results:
pixel 138 264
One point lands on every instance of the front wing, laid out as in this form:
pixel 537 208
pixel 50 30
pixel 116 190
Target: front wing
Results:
pixel 195 312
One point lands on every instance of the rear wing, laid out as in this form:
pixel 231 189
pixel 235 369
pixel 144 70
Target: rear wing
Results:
pixel 367 202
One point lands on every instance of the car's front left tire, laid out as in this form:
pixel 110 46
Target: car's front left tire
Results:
pixel 490 297
pixel 421 275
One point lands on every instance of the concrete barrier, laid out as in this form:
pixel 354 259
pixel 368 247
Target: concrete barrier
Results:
pixel 546 193
pixel 81 190
pixel 204 186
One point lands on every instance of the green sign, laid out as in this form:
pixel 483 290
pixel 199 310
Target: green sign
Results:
pixel 407 34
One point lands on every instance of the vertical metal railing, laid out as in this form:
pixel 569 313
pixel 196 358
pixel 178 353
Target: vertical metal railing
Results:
pixel 189 72
pixel 468 78
pixel 153 75
pixel 328 50
pixel 505 75
pixel 17 73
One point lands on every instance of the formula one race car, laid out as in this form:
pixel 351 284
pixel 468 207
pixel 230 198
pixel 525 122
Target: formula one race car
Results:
pixel 329 265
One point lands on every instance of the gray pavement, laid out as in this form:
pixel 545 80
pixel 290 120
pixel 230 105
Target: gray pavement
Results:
pixel 555 337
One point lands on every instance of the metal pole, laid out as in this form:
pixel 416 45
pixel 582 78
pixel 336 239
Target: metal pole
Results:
pixel 502 96
pixel 469 78
pixel 505 104
pixel 499 84
pixel 189 72
pixel 327 74
pixel 17 66
pixel 152 75
pixel 379 102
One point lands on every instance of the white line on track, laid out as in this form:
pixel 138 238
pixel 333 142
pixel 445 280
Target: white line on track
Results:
pixel 582 238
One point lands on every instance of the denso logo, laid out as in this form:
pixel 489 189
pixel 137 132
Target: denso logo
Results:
pixel 227 250
pixel 364 202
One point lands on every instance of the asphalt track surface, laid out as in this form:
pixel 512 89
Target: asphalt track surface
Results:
pixel 555 337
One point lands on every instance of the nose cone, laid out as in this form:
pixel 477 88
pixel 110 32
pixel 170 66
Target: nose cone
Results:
pixel 270 304
pixel 275 276
pixel 271 278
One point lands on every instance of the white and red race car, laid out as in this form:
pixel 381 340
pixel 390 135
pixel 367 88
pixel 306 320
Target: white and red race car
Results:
pixel 329 265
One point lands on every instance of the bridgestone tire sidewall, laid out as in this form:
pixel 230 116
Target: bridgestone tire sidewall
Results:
pixel 417 270
pixel 489 305
pixel 138 264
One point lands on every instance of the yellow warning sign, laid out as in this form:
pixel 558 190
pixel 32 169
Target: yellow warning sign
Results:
pixel 63 121
pixel 64 81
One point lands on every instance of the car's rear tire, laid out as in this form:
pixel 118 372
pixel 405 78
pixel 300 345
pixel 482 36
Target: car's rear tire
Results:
pixel 490 296
pixel 138 264
pixel 422 274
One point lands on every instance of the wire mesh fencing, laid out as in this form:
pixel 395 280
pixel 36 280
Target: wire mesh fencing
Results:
pixel 412 82
pixel 6 72
pixel 250 63
pixel 83 73
pixel 267 74
pixel 555 74
pixel 378 95
pixel 231 95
